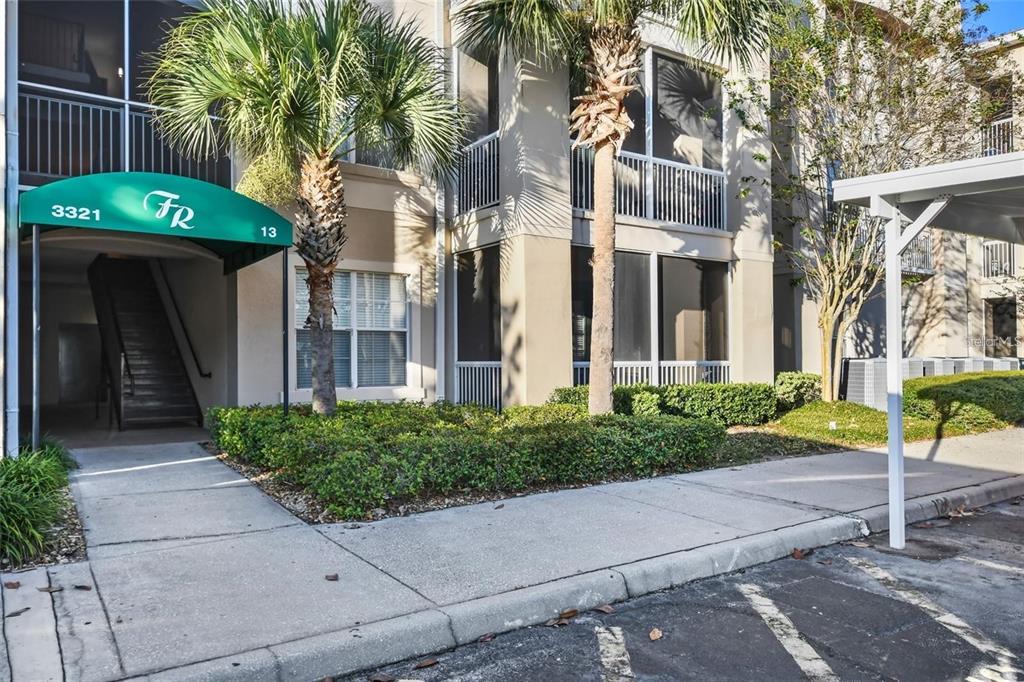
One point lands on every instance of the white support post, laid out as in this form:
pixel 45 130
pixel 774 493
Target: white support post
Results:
pixel 894 376
pixel 655 360
pixel 9 250
pixel 649 133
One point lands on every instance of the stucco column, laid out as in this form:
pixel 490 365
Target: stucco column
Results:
pixel 535 225
pixel 751 327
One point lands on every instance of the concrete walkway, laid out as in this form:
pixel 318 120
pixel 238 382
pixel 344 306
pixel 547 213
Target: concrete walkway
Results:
pixel 196 574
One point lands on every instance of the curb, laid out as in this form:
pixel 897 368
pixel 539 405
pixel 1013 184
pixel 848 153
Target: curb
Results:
pixel 441 629
pixel 940 504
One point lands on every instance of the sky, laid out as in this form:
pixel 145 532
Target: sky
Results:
pixel 1003 16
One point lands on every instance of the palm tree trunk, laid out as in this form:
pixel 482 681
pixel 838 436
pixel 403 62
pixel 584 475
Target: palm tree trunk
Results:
pixel 320 232
pixel 602 337
pixel 321 338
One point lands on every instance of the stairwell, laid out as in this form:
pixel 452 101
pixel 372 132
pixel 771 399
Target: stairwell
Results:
pixel 147 379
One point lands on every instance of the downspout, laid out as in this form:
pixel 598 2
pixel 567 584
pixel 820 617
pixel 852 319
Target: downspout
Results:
pixel 440 239
pixel 9 245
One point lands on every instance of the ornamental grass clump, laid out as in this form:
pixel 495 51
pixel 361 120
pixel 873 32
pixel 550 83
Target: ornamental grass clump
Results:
pixel 30 500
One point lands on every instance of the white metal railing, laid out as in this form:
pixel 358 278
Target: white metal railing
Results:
pixel 998 261
pixel 656 189
pixel 65 136
pixel 918 255
pixel 669 372
pixel 478 382
pixel 997 138
pixel 478 175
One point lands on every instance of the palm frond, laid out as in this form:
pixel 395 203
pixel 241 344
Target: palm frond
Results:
pixel 542 29
pixel 723 29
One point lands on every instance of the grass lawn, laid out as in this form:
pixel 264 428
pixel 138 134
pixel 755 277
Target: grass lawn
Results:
pixel 808 430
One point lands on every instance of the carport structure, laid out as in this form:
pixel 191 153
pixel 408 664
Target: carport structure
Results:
pixel 983 197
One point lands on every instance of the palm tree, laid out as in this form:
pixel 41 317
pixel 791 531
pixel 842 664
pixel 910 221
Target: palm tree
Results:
pixel 599 41
pixel 292 84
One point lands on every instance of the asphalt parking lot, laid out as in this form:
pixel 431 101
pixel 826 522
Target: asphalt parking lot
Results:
pixel 949 606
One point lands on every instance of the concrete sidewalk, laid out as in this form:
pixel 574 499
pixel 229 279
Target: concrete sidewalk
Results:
pixel 198 575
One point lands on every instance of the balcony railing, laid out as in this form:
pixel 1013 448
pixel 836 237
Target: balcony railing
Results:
pixel 997 138
pixel 479 383
pixel 65 136
pixel 918 256
pixel 668 372
pixel 998 261
pixel 478 175
pixel 655 189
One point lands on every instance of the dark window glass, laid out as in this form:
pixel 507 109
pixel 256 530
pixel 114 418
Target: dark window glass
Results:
pixel 692 305
pixel 149 21
pixel 478 293
pixel 632 305
pixel 78 45
pixel 687 114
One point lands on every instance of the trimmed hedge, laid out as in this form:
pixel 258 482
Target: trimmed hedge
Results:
pixel 371 454
pixel 793 389
pixel 975 401
pixel 728 404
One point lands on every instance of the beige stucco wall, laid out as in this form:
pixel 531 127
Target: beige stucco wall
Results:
pixel 390 229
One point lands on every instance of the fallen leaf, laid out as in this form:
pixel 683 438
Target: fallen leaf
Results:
pixel 12 584
pixel 485 637
pixel 605 608
pixel 327 679
pixel 923 525
pixel 798 553
pixel 425 663
pixel 331 577
pixel 50 588
pixel 381 677
pixel 499 506
pixel 655 634
pixel 569 613
pixel 14 614
pixel 86 588
pixel 861 544
pixel 826 562
pixel 551 623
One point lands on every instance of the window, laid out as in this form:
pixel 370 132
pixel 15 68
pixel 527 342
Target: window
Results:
pixel 478 291
pixel 632 305
pixel 370 330
pixel 692 309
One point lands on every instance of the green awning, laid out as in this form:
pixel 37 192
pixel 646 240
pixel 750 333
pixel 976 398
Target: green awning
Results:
pixel 236 228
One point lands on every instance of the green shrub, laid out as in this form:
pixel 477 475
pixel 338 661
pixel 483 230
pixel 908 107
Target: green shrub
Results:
pixel 793 389
pixel 728 404
pixel 622 396
pixel 371 454
pixel 30 500
pixel 532 415
pixel 975 401
pixel 646 404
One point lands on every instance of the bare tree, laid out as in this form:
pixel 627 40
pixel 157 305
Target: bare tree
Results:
pixel 856 91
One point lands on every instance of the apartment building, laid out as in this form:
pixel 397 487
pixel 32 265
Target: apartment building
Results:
pixel 476 292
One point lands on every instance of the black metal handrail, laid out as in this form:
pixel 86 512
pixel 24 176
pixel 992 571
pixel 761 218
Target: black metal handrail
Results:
pixel 181 321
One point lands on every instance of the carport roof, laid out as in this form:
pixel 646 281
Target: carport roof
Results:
pixel 986 195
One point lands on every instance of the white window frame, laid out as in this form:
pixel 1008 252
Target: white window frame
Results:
pixel 353 327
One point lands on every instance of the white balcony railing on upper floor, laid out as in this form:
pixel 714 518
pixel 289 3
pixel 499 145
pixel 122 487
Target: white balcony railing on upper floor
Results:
pixel 998 261
pixel 656 189
pixel 668 372
pixel 478 175
pixel 997 138
pixel 64 136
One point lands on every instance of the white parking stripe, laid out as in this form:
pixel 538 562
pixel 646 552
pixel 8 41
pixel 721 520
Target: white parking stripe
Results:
pixel 615 665
pixel 1006 668
pixel 812 665
pixel 1006 568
